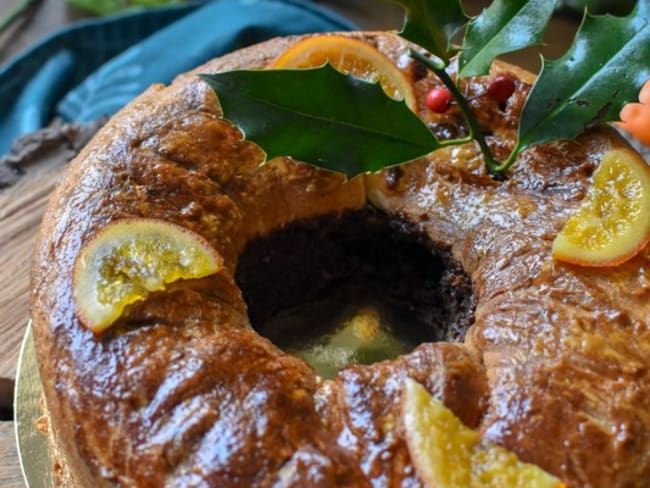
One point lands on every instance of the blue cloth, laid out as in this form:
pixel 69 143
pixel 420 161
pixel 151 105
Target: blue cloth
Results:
pixel 76 74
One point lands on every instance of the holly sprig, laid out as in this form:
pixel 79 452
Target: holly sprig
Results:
pixel 342 123
pixel 109 7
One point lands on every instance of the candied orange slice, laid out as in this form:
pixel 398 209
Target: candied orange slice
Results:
pixel 352 56
pixel 130 258
pixel 447 454
pixel 612 223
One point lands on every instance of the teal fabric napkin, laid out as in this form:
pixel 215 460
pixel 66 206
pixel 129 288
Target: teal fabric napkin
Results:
pixel 95 67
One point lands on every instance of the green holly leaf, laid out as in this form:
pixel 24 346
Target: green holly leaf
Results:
pixel 604 69
pixel 599 6
pixel 432 24
pixel 505 26
pixel 322 117
pixel 108 7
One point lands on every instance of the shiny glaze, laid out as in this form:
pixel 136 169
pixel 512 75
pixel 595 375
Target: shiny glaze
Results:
pixel 184 393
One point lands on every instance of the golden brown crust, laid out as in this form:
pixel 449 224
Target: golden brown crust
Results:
pixel 183 392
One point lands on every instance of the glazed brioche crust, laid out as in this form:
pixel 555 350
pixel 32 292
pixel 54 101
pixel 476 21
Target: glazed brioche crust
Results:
pixel 183 392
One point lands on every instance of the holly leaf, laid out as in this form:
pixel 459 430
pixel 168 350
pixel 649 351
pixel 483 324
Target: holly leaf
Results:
pixel 107 7
pixel 599 6
pixel 322 117
pixel 505 26
pixel 432 24
pixel 605 68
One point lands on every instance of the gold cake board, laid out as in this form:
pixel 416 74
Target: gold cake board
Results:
pixel 33 452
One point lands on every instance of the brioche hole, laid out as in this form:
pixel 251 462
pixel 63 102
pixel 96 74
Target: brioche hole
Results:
pixel 355 288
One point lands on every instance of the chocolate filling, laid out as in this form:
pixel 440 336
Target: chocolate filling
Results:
pixel 375 274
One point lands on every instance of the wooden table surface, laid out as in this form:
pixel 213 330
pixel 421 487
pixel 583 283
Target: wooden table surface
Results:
pixel 22 205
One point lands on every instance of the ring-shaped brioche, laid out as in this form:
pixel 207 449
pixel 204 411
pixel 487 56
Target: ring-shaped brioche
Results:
pixel 183 392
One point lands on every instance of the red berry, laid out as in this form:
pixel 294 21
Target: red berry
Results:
pixel 439 100
pixel 501 88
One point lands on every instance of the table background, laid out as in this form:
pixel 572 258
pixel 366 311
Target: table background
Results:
pixel 21 205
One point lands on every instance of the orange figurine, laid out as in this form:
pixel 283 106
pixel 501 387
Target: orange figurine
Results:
pixel 636 116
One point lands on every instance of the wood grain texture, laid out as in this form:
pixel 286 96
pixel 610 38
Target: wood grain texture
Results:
pixel 21 209
pixel 36 23
pixel 10 474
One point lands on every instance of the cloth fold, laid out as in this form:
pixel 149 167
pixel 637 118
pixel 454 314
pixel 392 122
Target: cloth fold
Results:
pixel 95 67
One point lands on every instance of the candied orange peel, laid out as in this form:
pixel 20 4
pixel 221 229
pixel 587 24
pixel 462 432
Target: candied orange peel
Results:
pixel 129 259
pixel 612 224
pixel 349 55
pixel 447 454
